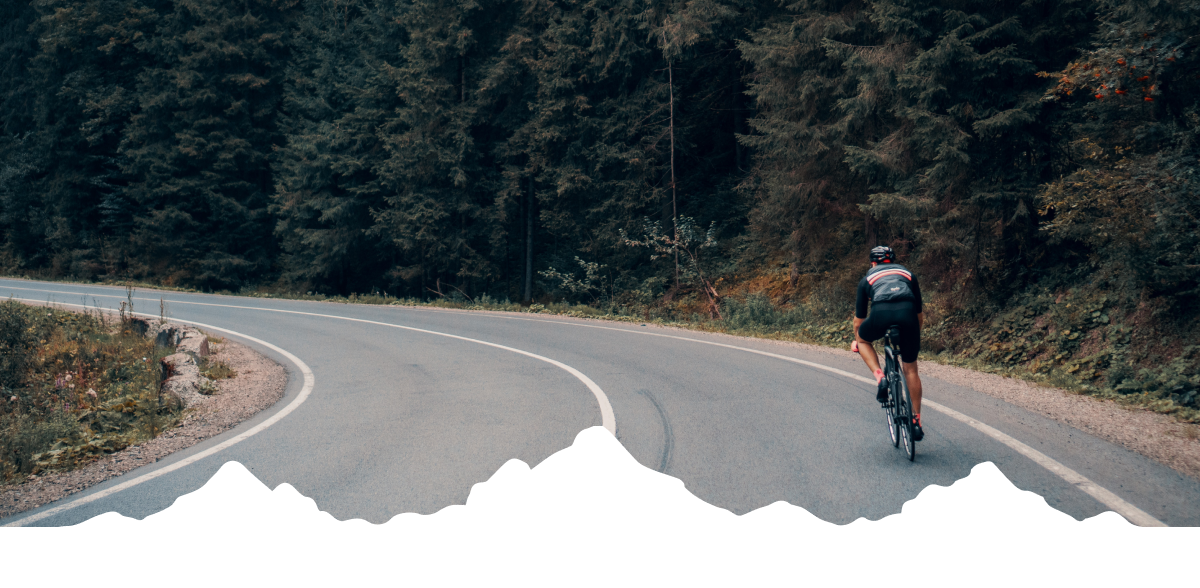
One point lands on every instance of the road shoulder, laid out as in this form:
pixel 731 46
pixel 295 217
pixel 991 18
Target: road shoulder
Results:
pixel 1159 437
pixel 259 384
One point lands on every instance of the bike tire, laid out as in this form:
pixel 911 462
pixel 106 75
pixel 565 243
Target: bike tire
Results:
pixel 889 412
pixel 889 408
pixel 906 422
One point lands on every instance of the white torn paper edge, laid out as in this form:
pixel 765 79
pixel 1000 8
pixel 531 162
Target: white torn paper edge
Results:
pixel 591 515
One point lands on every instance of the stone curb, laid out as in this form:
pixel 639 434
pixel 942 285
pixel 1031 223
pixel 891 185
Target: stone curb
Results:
pixel 184 385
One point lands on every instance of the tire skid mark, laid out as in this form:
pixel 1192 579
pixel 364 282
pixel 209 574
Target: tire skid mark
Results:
pixel 668 437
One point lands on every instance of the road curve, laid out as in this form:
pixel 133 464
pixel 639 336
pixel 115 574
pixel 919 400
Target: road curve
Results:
pixel 407 419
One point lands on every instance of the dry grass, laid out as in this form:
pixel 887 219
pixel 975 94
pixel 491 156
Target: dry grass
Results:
pixel 74 389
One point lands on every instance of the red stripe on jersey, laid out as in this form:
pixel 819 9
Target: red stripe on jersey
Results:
pixel 892 272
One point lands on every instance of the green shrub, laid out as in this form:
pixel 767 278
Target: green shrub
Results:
pixel 16 345
pixel 74 388
pixel 22 436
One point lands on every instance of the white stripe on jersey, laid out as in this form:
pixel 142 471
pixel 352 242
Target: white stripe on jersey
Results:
pixel 891 272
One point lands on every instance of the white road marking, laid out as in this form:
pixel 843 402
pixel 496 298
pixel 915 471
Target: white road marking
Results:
pixel 1131 513
pixel 607 419
pixel 309 382
pixel 1101 494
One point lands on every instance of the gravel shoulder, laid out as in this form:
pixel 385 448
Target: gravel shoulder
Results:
pixel 259 384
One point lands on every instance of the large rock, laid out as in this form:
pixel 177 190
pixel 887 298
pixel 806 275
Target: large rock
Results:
pixel 183 387
pixel 187 339
pixel 167 335
pixel 184 383
pixel 194 342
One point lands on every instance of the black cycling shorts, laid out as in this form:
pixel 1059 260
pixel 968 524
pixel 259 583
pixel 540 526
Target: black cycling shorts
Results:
pixel 886 314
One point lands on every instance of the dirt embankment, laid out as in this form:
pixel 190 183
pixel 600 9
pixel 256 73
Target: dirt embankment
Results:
pixel 259 384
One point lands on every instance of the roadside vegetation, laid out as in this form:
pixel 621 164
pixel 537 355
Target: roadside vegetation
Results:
pixel 73 387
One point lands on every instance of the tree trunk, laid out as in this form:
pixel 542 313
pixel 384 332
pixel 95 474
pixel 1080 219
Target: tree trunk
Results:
pixel 529 244
pixel 739 156
pixel 674 202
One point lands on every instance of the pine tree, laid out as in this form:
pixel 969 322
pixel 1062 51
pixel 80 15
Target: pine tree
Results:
pixel 926 115
pixel 337 96
pixel 17 46
pixel 439 205
pixel 198 147
pixel 806 196
pixel 17 105
pixel 80 81
pixel 1126 199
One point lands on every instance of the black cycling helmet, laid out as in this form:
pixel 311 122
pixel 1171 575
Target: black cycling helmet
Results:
pixel 883 254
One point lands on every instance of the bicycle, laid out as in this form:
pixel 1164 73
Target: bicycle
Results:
pixel 898 408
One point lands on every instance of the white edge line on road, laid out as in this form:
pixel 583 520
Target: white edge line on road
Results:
pixel 309 382
pixel 1131 513
pixel 607 419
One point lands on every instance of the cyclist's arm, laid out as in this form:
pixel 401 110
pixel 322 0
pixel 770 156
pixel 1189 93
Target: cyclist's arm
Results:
pixel 863 298
pixel 916 290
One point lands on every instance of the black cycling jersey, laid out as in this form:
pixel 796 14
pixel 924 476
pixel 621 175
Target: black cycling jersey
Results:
pixel 895 299
pixel 887 282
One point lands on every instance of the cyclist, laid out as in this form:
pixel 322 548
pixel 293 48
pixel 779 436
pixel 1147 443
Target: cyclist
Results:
pixel 895 299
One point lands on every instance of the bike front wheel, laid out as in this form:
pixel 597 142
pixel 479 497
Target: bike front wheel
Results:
pixel 889 411
pixel 906 422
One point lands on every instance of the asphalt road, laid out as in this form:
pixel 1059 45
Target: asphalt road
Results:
pixel 401 420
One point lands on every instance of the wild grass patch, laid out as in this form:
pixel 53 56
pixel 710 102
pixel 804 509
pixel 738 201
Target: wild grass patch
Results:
pixel 73 388
pixel 215 369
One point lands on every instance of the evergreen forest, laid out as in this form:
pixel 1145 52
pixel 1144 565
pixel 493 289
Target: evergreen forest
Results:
pixel 717 159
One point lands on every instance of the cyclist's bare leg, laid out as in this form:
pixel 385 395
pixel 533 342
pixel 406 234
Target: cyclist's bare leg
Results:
pixel 865 349
pixel 913 379
pixel 867 352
